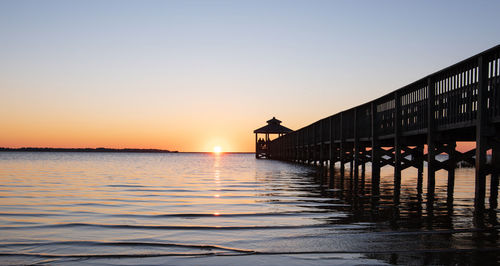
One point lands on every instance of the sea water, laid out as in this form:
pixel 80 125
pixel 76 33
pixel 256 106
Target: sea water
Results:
pixel 228 209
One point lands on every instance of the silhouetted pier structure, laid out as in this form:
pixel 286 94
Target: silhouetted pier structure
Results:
pixel 458 103
pixel 273 127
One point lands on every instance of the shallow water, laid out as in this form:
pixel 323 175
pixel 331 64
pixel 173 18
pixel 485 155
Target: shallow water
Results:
pixel 204 209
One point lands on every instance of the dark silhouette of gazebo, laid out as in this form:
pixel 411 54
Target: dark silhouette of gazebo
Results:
pixel 262 144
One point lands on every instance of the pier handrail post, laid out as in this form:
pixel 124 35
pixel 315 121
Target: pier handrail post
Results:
pixel 397 146
pixel 375 155
pixel 481 136
pixel 431 145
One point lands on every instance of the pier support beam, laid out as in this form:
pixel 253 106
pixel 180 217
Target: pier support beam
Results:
pixel 342 166
pixel 363 169
pixel 356 154
pixel 342 150
pixel 351 168
pixel 420 169
pixel 296 151
pixel 495 162
pixel 452 163
pixel 332 154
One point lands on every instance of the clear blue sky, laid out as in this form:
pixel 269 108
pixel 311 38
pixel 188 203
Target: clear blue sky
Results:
pixel 189 75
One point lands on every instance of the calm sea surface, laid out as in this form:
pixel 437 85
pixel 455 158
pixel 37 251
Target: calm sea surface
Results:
pixel 204 209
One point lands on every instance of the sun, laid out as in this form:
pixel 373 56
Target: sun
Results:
pixel 217 149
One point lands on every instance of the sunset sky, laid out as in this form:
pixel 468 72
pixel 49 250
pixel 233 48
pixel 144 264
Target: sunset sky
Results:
pixel 192 75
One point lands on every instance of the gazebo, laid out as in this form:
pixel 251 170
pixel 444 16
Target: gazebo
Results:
pixel 262 144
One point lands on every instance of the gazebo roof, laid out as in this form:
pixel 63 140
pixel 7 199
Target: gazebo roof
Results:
pixel 273 127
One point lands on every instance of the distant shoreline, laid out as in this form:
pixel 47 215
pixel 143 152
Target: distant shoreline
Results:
pixel 125 150
pixel 32 149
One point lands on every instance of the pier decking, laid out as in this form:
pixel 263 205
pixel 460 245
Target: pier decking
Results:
pixel 411 125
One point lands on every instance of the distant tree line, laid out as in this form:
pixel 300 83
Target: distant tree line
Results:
pixel 31 149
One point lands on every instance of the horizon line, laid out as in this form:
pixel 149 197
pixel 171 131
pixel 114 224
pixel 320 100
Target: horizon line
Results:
pixel 104 149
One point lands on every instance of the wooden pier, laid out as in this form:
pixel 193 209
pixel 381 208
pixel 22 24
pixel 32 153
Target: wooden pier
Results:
pixel 410 126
